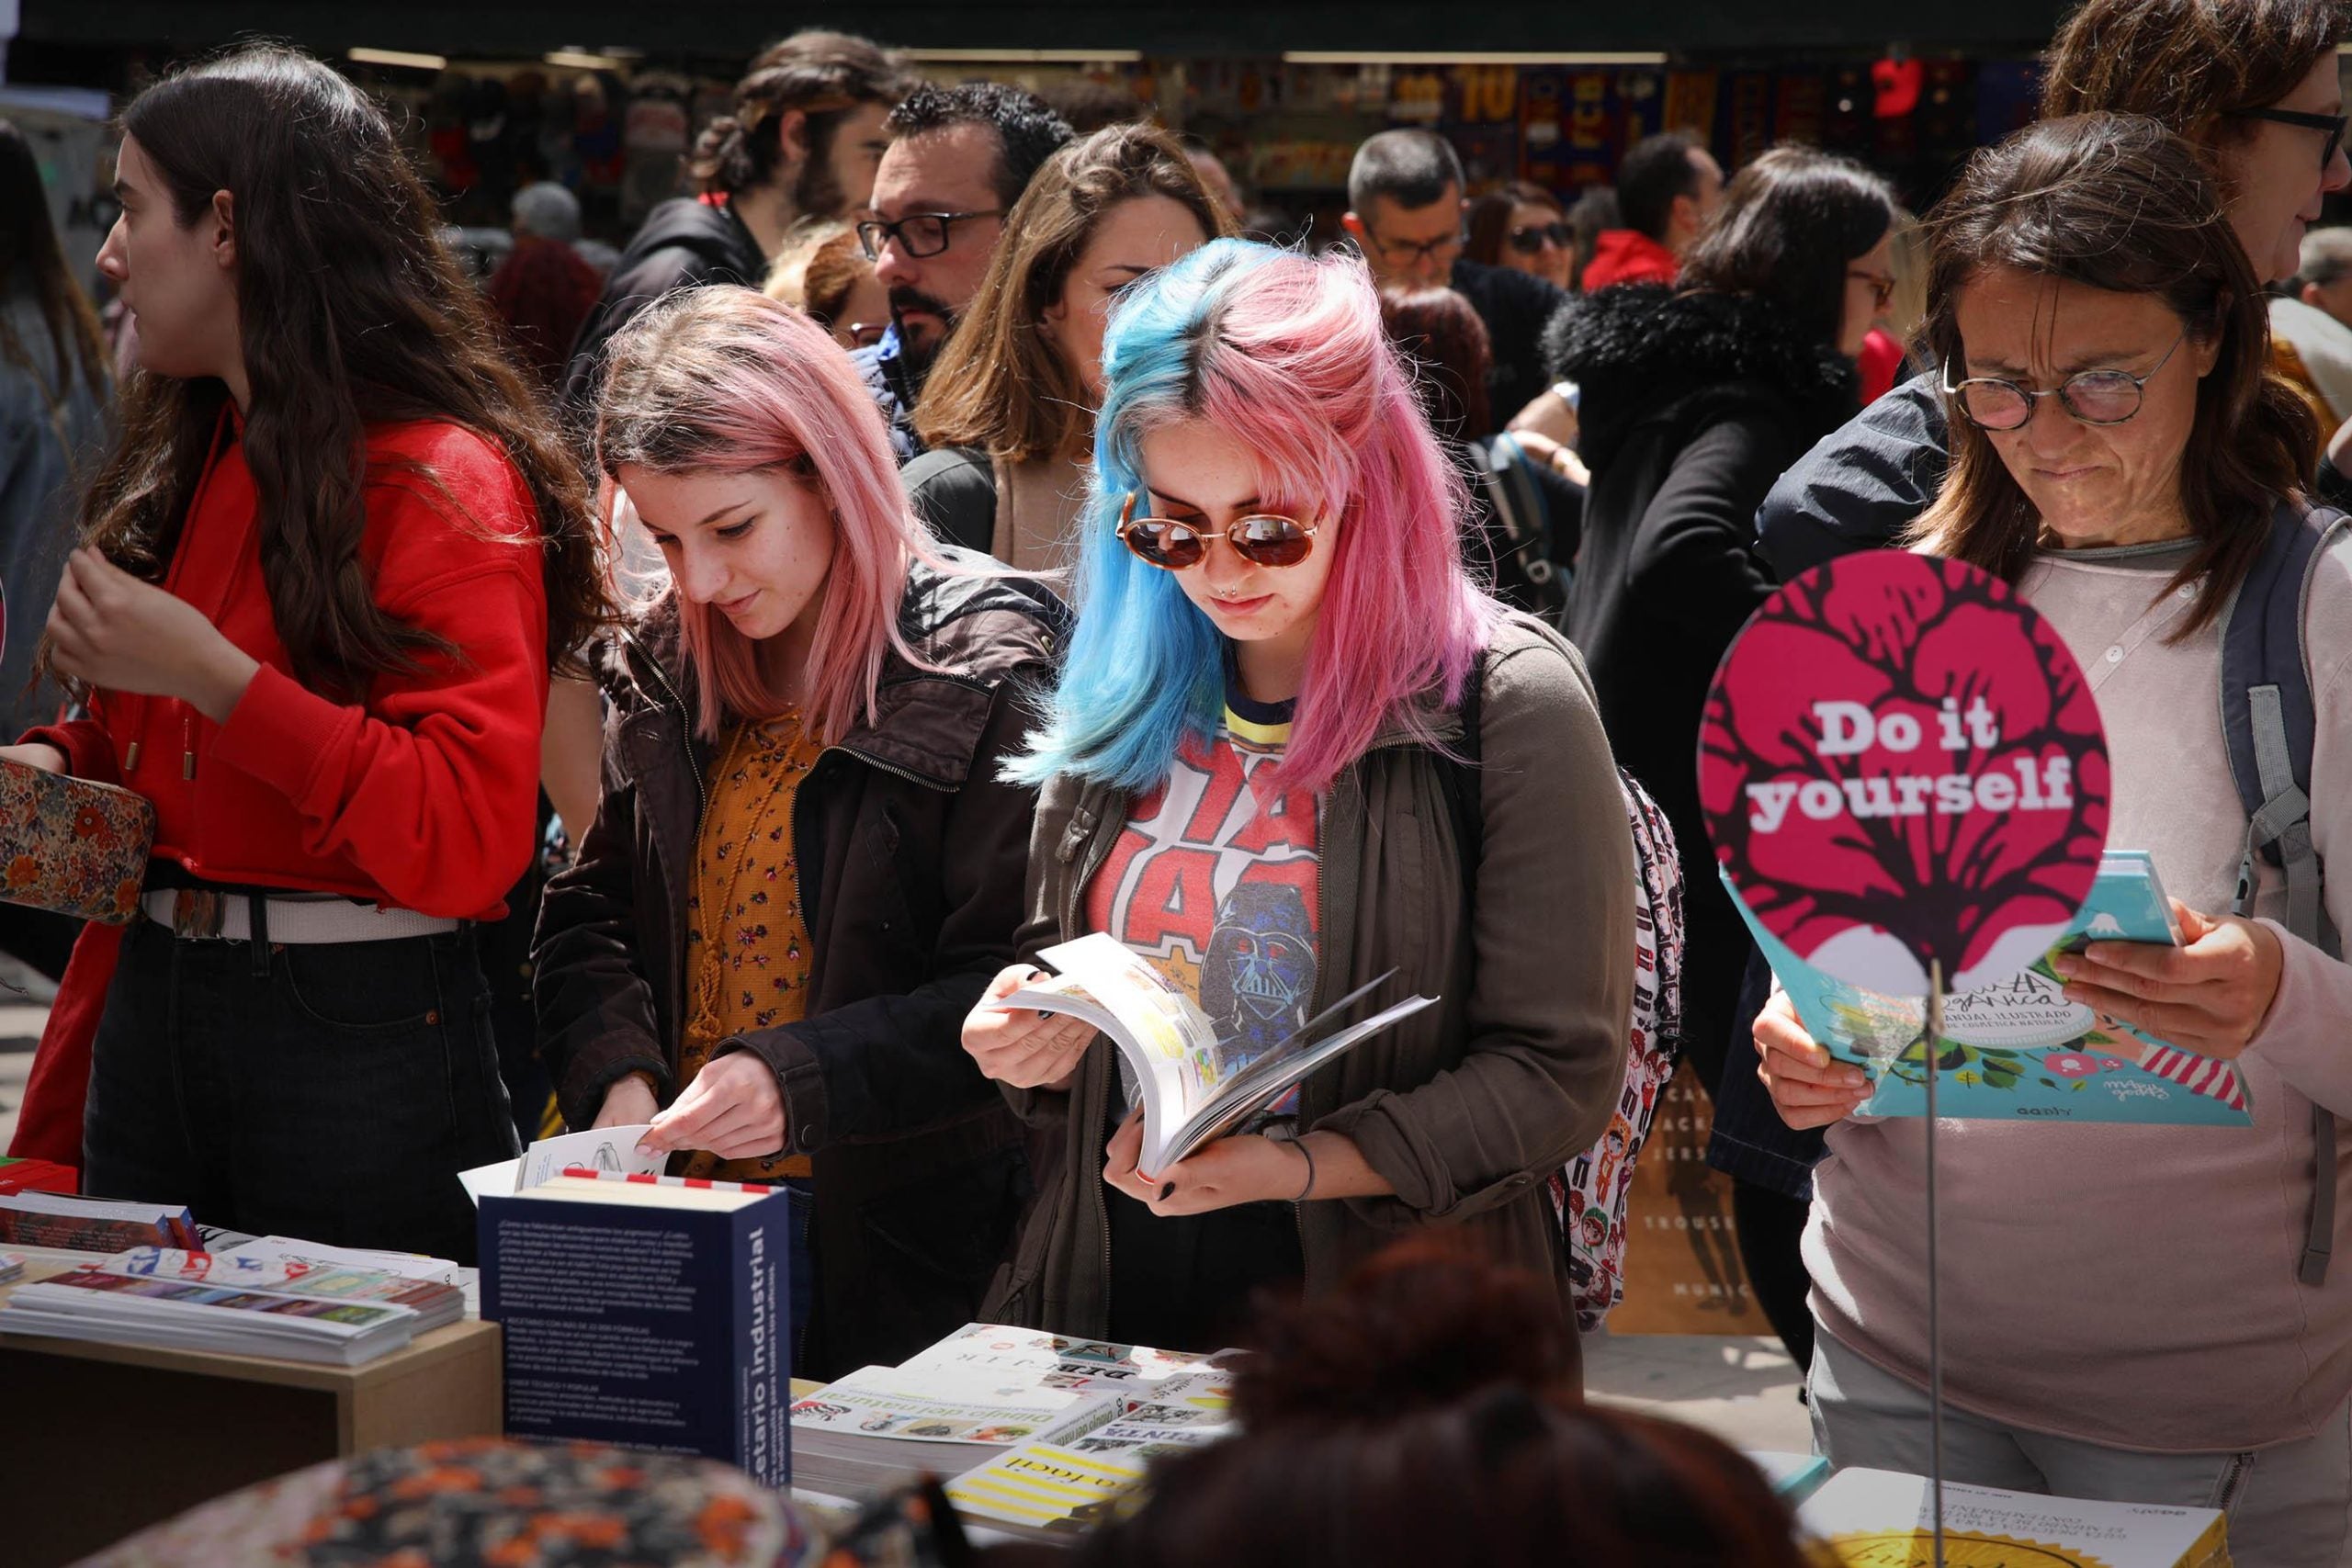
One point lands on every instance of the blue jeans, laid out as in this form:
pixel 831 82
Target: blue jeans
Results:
pixel 2289 1505
pixel 327 1091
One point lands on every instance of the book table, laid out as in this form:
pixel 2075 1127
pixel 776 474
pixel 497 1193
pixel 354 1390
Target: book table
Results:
pixel 106 1439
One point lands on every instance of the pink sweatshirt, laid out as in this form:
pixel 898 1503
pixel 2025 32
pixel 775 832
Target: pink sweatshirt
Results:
pixel 2135 1286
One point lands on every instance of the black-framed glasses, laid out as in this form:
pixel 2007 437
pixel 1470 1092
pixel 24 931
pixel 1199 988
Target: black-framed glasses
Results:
pixel 1265 539
pixel 2094 397
pixel 1881 287
pixel 918 234
pixel 1529 241
pixel 2331 125
pixel 1409 251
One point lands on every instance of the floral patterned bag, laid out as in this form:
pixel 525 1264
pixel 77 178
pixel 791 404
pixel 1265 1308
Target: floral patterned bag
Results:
pixel 71 847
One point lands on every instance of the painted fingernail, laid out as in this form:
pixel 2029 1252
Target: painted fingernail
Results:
pixel 1167 1191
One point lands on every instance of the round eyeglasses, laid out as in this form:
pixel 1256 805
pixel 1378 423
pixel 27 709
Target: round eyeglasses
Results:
pixel 2092 397
pixel 1265 539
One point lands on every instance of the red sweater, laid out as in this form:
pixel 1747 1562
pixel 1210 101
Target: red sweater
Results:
pixel 424 794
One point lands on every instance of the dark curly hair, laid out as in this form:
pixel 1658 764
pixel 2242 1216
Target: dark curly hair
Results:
pixel 1432 1411
pixel 1027 129
pixel 822 74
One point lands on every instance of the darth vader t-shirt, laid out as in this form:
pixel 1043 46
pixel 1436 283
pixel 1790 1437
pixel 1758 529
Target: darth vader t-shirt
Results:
pixel 1216 883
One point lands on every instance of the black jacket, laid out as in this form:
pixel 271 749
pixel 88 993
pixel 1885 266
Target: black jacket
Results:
pixel 1514 305
pixel 913 854
pixel 1861 485
pixel 1692 405
pixel 681 245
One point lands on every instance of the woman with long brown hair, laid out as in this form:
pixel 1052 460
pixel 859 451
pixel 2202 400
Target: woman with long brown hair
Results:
pixel 325 574
pixel 2130 1312
pixel 1009 417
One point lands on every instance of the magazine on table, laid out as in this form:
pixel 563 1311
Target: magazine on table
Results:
pixel 1071 1479
pixel 190 1314
pixel 1012 1360
pixel 2020 1050
pixel 64 1221
pixel 1195 1085
pixel 434 1301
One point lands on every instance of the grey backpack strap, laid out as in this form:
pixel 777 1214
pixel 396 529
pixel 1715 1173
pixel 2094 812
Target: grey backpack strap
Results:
pixel 2269 723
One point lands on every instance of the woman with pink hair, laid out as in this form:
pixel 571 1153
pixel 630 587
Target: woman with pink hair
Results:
pixel 1296 751
pixel 807 862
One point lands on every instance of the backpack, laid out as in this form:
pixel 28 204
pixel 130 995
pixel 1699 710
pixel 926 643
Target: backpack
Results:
pixel 2268 722
pixel 1589 1194
pixel 1516 546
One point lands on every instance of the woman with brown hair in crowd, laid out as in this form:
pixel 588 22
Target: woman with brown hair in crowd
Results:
pixel 325 574
pixel 1523 227
pixel 1008 413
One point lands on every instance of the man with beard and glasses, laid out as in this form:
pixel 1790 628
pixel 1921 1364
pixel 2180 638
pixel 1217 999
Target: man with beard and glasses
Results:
pixel 959 158
pixel 804 141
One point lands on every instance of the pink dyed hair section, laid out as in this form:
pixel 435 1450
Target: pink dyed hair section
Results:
pixel 726 381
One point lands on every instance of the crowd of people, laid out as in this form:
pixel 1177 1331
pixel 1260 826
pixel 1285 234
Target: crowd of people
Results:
pixel 693 694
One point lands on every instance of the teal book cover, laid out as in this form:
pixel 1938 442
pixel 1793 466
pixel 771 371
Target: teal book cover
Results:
pixel 2020 1051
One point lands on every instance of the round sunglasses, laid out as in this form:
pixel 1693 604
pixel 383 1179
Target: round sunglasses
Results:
pixel 1264 539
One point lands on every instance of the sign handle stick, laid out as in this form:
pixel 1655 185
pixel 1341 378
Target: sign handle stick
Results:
pixel 1934 1324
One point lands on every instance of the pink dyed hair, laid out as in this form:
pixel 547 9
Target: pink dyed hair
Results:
pixel 726 381
pixel 1286 354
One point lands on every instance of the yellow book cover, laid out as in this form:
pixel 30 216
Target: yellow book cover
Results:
pixel 1877 1519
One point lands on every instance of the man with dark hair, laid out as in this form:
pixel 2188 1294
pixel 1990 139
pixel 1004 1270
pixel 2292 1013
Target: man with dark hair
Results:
pixel 802 140
pixel 1405 214
pixel 959 157
pixel 1667 188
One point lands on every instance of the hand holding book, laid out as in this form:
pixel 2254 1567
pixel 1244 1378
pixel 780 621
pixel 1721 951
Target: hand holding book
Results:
pixel 2209 996
pixel 1022 1046
pixel 1809 1087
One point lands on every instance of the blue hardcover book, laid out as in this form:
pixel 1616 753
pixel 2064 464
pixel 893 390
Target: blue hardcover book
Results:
pixel 653 1313
pixel 2020 1051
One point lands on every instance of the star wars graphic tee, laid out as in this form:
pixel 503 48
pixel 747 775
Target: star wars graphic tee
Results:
pixel 1216 884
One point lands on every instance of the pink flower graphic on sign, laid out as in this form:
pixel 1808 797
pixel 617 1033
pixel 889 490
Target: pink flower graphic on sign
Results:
pixel 2070 1063
pixel 1901 762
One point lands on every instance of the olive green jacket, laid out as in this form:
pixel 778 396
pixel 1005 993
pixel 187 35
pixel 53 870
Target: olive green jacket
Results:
pixel 1467 1107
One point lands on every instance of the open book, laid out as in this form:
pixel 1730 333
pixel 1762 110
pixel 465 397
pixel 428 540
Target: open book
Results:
pixel 1195 1085
pixel 2020 1050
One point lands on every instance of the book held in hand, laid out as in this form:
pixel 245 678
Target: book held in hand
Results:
pixel 1195 1087
pixel 2021 1050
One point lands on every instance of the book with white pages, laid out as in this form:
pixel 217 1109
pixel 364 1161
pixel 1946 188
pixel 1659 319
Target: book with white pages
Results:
pixel 127 1309
pixel 1194 1084
pixel 599 1149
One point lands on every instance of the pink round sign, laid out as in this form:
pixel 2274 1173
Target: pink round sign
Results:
pixel 1901 764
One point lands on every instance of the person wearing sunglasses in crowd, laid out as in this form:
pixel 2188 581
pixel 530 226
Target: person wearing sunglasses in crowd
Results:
pixel 1523 226
pixel 806 866
pixel 958 160
pixel 1246 772
pixel 2253 85
pixel 1010 421
pixel 2127 1312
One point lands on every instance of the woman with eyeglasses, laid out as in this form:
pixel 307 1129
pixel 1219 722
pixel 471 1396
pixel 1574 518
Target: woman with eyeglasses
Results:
pixel 1523 227
pixel 1009 418
pixel 2126 1311
pixel 804 866
pixel 1253 774
pixel 2252 86
pixel 1696 395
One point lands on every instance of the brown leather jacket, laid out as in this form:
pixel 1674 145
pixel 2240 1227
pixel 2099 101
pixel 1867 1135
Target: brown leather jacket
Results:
pixel 912 853
pixel 1466 1107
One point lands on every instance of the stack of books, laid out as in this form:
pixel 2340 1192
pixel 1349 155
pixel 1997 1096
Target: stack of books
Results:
pixel 1039 1431
pixel 1871 1516
pixel 177 1298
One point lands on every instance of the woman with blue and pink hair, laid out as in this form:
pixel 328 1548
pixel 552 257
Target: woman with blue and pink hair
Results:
pixel 807 862
pixel 1255 772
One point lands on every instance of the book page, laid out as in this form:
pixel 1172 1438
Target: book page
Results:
pixel 1166 1037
